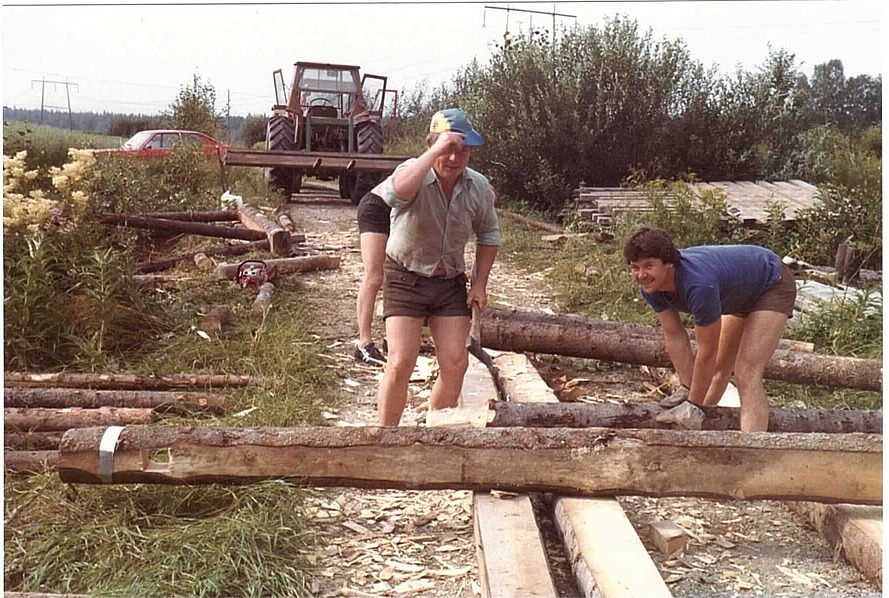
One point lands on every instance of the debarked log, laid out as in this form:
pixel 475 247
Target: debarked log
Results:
pixel 575 336
pixel 286 265
pixel 591 462
pixel 164 401
pixel 127 381
pixel 642 415
pixel 254 219
pixel 181 226
pixel 49 420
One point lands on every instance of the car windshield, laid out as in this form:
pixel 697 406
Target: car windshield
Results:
pixel 137 140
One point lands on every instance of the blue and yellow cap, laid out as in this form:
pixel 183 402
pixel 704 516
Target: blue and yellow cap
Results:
pixel 457 121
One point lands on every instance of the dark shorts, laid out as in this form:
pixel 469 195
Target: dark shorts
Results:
pixel 780 298
pixel 373 215
pixel 406 293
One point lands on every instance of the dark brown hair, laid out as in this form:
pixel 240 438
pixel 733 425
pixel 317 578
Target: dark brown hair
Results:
pixel 651 242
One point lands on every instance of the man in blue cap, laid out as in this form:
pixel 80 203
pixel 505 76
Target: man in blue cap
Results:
pixel 437 204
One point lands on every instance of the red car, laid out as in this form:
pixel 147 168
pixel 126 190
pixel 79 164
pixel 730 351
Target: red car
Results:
pixel 156 143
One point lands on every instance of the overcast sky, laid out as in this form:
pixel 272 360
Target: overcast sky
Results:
pixel 135 58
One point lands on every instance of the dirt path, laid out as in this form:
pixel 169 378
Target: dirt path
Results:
pixel 405 543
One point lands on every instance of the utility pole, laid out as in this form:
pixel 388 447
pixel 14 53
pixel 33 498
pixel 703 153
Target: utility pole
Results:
pixel 43 106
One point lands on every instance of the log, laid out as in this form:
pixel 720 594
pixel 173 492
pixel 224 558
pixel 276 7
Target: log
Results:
pixel 128 381
pixel 41 419
pixel 181 226
pixel 263 299
pixel 239 249
pixel 593 461
pixel 642 415
pixel 192 216
pixel 505 529
pixel 33 441
pixel 286 221
pixel 29 461
pixel 253 218
pixel 606 555
pixel 854 530
pixel 552 228
pixel 286 265
pixel 162 401
pixel 575 336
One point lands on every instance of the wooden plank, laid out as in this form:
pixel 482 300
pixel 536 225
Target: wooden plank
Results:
pixel 506 530
pixel 614 558
pixel 606 554
pixel 512 560
pixel 855 530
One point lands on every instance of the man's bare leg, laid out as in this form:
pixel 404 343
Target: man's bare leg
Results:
pixel 762 333
pixel 403 334
pixel 449 335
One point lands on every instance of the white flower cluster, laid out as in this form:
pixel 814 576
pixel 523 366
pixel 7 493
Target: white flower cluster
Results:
pixel 27 208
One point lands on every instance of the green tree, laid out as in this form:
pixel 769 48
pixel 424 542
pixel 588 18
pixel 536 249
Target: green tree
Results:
pixel 253 130
pixel 195 109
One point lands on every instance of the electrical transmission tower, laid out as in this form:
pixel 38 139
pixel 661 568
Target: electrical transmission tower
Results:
pixel 552 14
pixel 43 106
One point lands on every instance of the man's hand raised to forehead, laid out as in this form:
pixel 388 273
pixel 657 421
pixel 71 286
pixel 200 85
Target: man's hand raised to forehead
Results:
pixel 447 143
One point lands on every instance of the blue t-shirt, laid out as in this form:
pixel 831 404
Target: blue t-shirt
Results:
pixel 716 280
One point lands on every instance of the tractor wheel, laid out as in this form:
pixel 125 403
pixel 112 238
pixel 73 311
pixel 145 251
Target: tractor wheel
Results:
pixel 370 141
pixel 279 137
pixel 347 184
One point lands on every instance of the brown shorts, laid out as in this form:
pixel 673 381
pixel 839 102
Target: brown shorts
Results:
pixel 780 298
pixel 406 293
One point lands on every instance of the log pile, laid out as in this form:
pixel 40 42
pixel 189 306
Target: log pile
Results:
pixel 37 412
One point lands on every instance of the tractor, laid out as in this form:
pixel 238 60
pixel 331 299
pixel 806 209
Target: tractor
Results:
pixel 329 108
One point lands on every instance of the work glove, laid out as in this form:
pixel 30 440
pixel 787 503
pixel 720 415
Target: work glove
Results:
pixel 685 416
pixel 677 398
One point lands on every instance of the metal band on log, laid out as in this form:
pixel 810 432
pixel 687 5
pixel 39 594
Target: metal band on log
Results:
pixel 642 415
pixel 128 381
pixel 592 462
pixel 575 336
pixel 166 401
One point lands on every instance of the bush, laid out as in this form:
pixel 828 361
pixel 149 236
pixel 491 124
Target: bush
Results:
pixel 253 130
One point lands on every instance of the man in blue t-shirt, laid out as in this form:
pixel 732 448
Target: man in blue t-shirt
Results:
pixel 739 297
